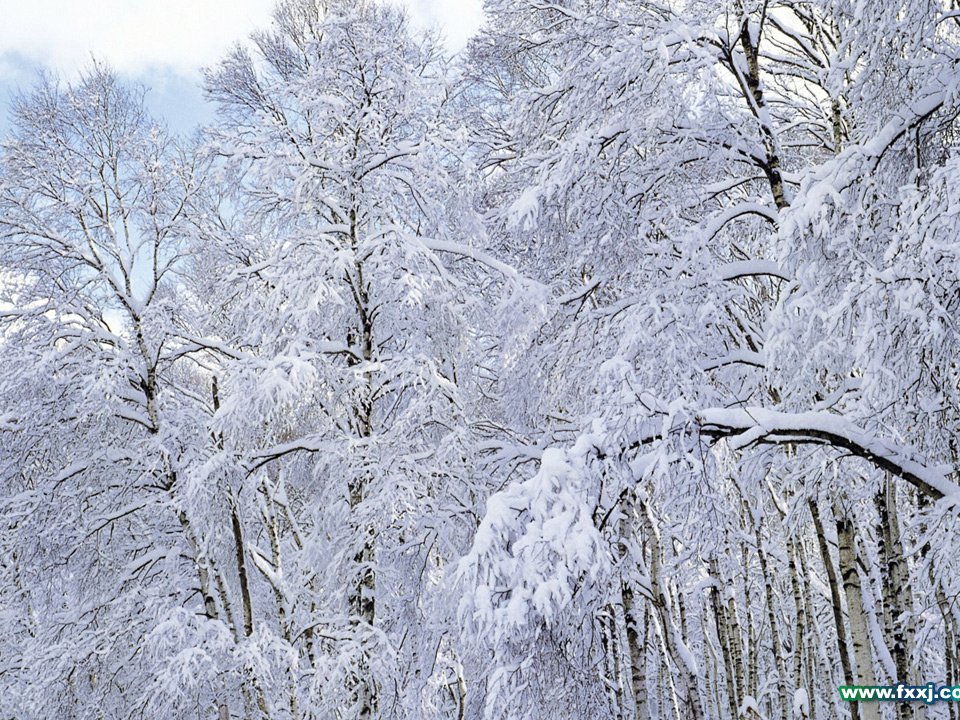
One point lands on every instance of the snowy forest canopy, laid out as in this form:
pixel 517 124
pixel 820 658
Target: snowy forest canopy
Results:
pixel 608 371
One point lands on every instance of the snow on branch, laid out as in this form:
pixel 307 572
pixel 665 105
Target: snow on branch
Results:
pixel 455 248
pixel 257 460
pixel 536 545
pixel 737 357
pixel 750 268
pixel 754 425
pixel 718 221
pixel 861 160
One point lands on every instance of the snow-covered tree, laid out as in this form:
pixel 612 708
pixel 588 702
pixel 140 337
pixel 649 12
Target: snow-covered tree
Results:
pixel 105 565
pixel 345 299
pixel 608 370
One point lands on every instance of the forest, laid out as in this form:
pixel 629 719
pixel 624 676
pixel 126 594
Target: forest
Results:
pixel 607 370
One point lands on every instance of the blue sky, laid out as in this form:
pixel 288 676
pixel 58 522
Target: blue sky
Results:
pixel 160 43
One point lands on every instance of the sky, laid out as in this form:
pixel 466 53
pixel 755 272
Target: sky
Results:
pixel 160 43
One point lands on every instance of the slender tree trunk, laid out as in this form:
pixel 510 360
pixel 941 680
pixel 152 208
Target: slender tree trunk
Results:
pixel 634 616
pixel 753 659
pixel 735 638
pixel 666 671
pixel 243 578
pixel 836 603
pixel 723 636
pixel 813 637
pixel 952 675
pixel 800 608
pixel 271 521
pixel 687 675
pixel 775 644
pixel 897 589
pixel 611 658
pixel 362 594
pixel 637 631
pixel 949 611
pixel 859 631
pixel 237 530
pixel 711 671
pixel 752 89
pixel 636 646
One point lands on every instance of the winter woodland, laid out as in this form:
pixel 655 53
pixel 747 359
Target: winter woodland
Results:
pixel 608 370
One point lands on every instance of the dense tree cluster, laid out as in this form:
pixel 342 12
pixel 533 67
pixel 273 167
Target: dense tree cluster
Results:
pixel 609 370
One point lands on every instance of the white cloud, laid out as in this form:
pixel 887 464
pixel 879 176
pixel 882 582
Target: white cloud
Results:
pixel 134 36
pixel 161 43
pixel 137 37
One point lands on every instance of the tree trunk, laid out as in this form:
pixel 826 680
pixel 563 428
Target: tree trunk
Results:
pixel 775 644
pixel 800 608
pixel 731 670
pixel 680 656
pixel 897 589
pixel 362 594
pixel 859 631
pixel 813 637
pixel 611 658
pixel 836 603
pixel 634 616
